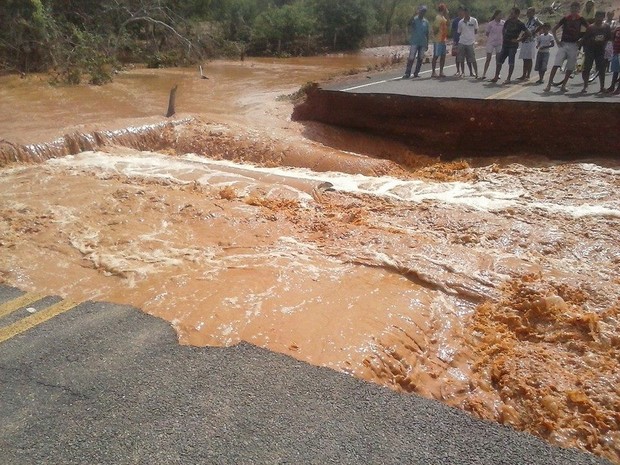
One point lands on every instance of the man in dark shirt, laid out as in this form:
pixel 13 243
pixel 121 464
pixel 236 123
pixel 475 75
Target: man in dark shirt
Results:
pixel 573 27
pixel 460 66
pixel 514 31
pixel 594 41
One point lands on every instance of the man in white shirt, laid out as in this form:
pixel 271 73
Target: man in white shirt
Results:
pixel 468 28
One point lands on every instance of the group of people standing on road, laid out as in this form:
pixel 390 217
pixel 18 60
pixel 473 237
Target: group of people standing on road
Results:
pixel 596 32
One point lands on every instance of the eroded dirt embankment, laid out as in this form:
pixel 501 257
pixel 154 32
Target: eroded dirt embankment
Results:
pixel 218 141
pixel 455 127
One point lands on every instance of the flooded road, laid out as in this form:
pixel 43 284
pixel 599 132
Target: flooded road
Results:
pixel 489 284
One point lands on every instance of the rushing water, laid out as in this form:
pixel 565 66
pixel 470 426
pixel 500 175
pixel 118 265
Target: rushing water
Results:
pixel 490 286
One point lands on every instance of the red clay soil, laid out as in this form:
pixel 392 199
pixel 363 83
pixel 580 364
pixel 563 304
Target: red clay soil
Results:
pixel 454 127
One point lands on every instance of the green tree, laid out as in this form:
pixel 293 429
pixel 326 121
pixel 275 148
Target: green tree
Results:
pixel 285 30
pixel 79 38
pixel 27 29
pixel 386 11
pixel 85 14
pixel 345 23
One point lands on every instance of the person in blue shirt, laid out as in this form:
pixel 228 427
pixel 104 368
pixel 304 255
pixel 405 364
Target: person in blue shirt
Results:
pixel 419 42
pixel 455 25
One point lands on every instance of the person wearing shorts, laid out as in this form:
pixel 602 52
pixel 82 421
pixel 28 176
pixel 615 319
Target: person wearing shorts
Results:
pixel 514 31
pixel 455 40
pixel 573 27
pixel 468 28
pixel 528 50
pixel 494 33
pixel 544 42
pixel 440 34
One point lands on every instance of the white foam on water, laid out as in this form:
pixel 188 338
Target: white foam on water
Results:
pixel 579 211
pixel 146 165
pixel 479 195
pixel 598 169
pixel 63 215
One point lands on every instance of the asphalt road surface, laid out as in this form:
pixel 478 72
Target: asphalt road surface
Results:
pixel 391 82
pixel 97 383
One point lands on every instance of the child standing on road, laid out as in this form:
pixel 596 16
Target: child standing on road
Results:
pixel 544 42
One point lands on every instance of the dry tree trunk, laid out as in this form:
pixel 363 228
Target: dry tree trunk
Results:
pixel 172 101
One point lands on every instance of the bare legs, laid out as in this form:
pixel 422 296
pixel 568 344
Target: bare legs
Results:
pixel 614 80
pixel 554 70
pixel 541 76
pixel 486 65
pixel 511 68
pixel 527 69
pixel 599 61
pixel 473 64
pixel 460 68
pixel 442 62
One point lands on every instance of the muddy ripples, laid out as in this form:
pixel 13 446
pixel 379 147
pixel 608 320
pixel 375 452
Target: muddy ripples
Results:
pixel 551 364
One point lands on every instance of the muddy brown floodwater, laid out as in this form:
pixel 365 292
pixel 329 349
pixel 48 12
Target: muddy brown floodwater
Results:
pixel 489 284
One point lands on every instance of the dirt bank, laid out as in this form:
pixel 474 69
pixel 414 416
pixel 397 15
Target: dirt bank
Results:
pixel 454 127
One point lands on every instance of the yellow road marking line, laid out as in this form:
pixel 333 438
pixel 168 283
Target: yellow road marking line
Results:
pixel 506 93
pixel 33 320
pixel 9 307
pixel 500 94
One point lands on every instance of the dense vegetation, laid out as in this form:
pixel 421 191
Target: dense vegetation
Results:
pixel 77 39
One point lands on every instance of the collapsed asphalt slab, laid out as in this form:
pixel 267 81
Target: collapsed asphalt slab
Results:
pixel 105 383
